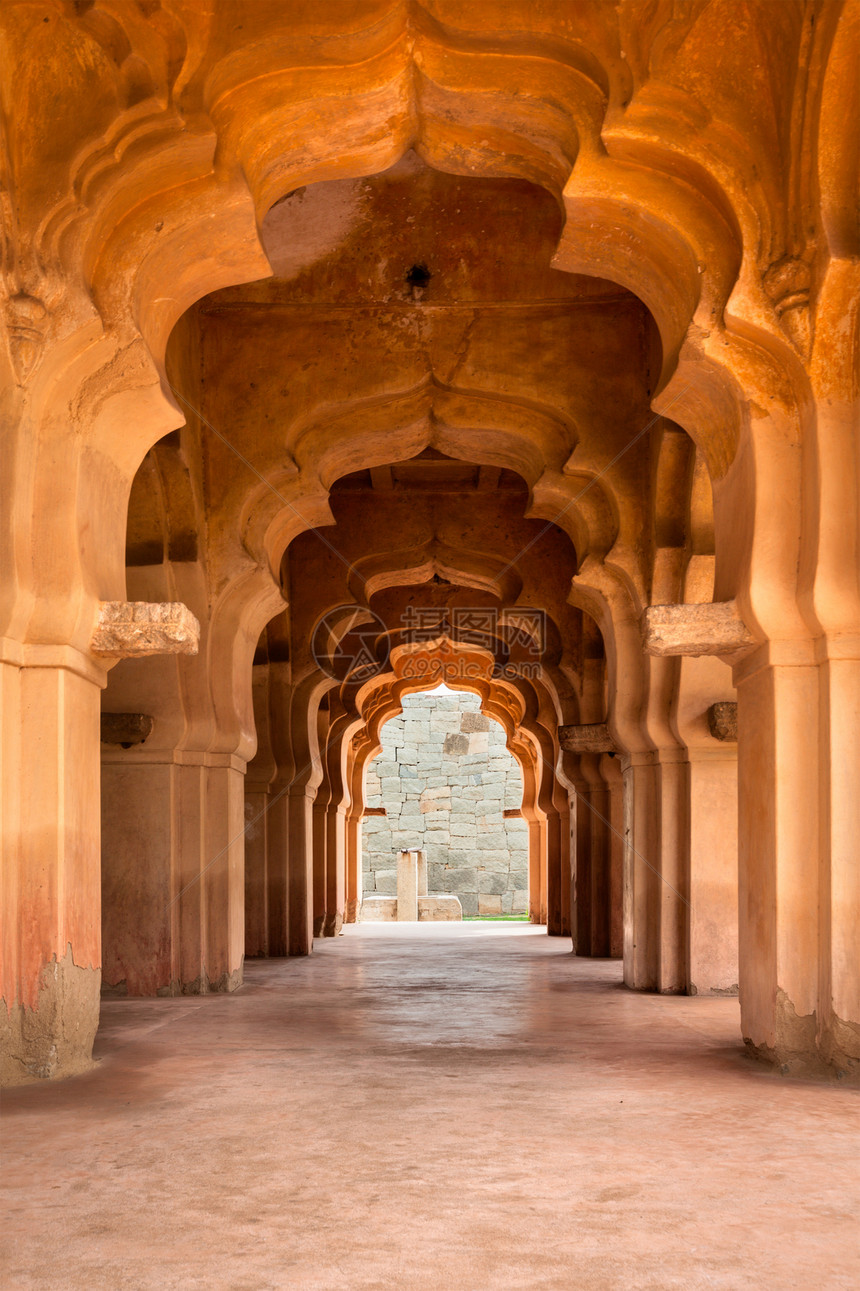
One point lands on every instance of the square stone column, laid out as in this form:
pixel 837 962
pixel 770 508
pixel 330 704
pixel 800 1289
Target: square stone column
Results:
pixel 537 870
pixel 656 832
pixel 839 969
pixel 353 867
pixel 256 884
pixel 301 871
pixel 320 863
pixel 596 807
pixel 277 870
pixel 581 874
pixel 335 893
pixel 266 871
pixel 173 849
pixel 674 867
pixel 407 887
pixel 712 916
pixel 50 921
pixel 680 872
pixel 422 874
pixel 641 875
pixel 557 874
pixel 779 853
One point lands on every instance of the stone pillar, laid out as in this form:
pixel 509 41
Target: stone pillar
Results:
pixel 320 859
pixel 265 833
pixel 50 907
pixel 140 875
pixel 407 887
pixel 173 822
pixel 581 878
pixel 537 870
pixel 173 839
pixel 596 805
pixel 277 870
pixel 655 875
pixel 712 915
pixel 779 835
pixel 266 872
pixel 301 871
pixel 49 787
pixel 839 971
pixel 695 852
pixel 568 854
pixel 600 886
pixel 641 893
pixel 256 880
pixel 280 805
pixel 353 847
pixel 673 862
pixel 212 852
pixel 614 780
pixel 335 895
pixel 353 858
pixel 597 887
pixel 421 861
pixel 558 877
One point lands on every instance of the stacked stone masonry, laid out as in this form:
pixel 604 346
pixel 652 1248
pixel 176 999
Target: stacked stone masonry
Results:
pixel 445 779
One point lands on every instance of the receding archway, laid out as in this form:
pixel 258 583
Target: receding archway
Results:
pixel 651 199
pixel 444 783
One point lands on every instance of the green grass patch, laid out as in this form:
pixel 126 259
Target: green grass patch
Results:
pixel 495 918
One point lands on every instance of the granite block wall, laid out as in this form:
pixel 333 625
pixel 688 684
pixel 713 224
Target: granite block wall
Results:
pixel 445 778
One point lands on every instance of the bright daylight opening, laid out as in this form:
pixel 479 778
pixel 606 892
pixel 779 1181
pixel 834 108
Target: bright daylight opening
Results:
pixel 445 785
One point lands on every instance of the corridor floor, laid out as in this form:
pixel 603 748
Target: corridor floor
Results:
pixel 429 1106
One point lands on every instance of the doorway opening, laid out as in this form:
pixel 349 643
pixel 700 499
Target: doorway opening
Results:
pixel 445 784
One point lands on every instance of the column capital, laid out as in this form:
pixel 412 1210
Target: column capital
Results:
pixel 593 737
pixel 29 655
pixel 714 627
pixel 131 629
pixel 723 720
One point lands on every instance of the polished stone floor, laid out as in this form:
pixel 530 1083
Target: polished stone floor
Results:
pixel 441 1107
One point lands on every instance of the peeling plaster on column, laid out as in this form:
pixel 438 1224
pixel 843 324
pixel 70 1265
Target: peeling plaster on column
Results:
pixel 801 1048
pixel 56 1038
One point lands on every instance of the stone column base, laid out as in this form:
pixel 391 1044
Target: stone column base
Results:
pixel 56 1038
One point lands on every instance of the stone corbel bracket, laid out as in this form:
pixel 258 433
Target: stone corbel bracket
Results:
pixel 711 628
pixel 591 738
pixel 132 629
pixel 723 721
pixel 125 729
